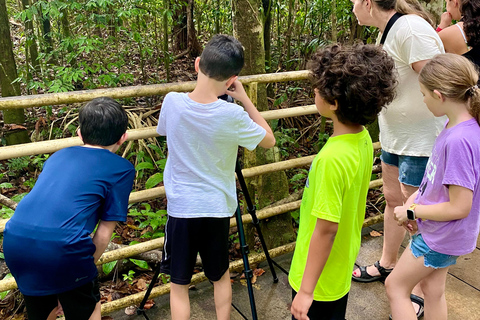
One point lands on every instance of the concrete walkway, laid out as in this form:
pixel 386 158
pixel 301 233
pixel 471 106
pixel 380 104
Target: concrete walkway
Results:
pixel 366 301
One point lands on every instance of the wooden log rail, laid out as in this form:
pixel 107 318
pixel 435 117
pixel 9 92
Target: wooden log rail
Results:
pixel 50 146
pixel 47 99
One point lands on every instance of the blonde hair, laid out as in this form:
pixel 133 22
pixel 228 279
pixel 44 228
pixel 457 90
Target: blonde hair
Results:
pixel 455 77
pixel 405 7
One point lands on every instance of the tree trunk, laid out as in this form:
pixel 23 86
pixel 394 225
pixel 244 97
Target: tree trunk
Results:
pixel 166 53
pixel 194 46
pixel 334 20
pixel 267 26
pixel 31 43
pixel 247 28
pixel 47 34
pixel 180 27
pixel 15 132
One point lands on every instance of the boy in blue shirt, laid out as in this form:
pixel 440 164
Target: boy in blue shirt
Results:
pixel 203 134
pixel 47 242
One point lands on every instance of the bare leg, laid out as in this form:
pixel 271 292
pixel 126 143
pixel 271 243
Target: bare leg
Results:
pixel 53 314
pixel 434 289
pixel 223 296
pixel 97 312
pixel 408 273
pixel 395 195
pixel 179 302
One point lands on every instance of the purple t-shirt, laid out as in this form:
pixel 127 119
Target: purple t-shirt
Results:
pixel 455 160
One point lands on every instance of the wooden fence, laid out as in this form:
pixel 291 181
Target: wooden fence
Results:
pixel 50 146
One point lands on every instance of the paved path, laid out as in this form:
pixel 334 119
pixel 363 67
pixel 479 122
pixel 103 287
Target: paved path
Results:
pixel 366 301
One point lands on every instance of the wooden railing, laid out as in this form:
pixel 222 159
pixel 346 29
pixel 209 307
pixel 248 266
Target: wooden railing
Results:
pixel 50 146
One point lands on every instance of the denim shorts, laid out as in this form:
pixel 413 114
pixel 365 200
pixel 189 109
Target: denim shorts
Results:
pixel 410 169
pixel 431 258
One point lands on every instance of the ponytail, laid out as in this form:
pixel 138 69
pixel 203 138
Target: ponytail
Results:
pixel 413 7
pixel 475 102
pixel 405 7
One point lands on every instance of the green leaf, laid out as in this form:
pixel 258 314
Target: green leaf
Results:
pixel 144 165
pixel 4 293
pixel 108 267
pixel 161 163
pixel 6 185
pixel 141 263
pixel 2 256
pixel 298 176
pixel 154 180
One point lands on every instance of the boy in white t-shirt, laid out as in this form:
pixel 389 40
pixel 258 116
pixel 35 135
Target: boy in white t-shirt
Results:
pixel 203 135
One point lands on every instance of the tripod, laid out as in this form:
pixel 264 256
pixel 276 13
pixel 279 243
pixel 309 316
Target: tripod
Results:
pixel 244 249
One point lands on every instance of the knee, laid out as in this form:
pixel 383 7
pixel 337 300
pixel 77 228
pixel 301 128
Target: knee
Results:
pixel 393 195
pixel 393 287
pixel 433 291
pixel 390 287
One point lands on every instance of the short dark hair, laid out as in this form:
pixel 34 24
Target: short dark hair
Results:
pixel 222 57
pixel 102 121
pixel 361 78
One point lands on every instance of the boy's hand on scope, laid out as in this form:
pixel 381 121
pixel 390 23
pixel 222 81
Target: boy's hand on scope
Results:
pixel 445 20
pixel 300 305
pixel 237 92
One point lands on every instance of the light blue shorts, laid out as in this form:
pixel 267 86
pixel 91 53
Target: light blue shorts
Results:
pixel 431 258
pixel 410 169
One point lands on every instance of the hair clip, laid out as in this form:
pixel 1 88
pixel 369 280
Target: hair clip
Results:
pixel 472 89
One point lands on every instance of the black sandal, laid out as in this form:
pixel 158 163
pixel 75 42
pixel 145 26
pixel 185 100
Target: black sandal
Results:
pixel 365 277
pixel 419 301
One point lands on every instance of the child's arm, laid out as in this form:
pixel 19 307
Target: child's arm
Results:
pixel 102 237
pixel 238 92
pixel 458 207
pixel 320 246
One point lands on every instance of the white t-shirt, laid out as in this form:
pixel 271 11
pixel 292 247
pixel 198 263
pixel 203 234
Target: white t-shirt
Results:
pixel 202 142
pixel 407 127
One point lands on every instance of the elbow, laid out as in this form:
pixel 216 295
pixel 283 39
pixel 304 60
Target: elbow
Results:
pixel 268 142
pixel 462 213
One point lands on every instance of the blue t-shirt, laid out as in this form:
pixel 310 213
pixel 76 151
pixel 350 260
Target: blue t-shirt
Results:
pixel 47 243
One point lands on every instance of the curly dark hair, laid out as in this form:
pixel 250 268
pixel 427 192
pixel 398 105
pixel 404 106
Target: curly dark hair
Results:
pixel 361 78
pixel 470 10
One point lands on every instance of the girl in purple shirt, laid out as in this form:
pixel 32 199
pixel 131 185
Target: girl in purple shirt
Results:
pixel 444 214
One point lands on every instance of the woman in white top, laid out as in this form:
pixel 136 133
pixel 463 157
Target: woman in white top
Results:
pixel 453 36
pixel 407 128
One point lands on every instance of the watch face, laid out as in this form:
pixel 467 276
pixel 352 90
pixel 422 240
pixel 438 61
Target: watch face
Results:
pixel 410 214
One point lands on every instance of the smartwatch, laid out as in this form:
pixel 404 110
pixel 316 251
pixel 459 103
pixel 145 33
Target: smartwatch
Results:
pixel 411 212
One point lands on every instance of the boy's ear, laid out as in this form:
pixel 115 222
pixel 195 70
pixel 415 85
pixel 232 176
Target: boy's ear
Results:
pixel 197 64
pixel 122 139
pixel 334 107
pixel 231 80
pixel 79 134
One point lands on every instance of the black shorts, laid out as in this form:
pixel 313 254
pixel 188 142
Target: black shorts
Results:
pixel 77 304
pixel 326 310
pixel 185 237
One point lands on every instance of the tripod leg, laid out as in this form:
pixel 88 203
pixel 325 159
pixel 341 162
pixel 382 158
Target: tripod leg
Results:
pixel 246 264
pixel 140 309
pixel 252 211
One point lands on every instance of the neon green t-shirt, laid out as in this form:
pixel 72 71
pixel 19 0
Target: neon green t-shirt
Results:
pixel 336 191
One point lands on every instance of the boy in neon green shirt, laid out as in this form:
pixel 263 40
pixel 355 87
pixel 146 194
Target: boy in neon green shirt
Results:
pixel 352 84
